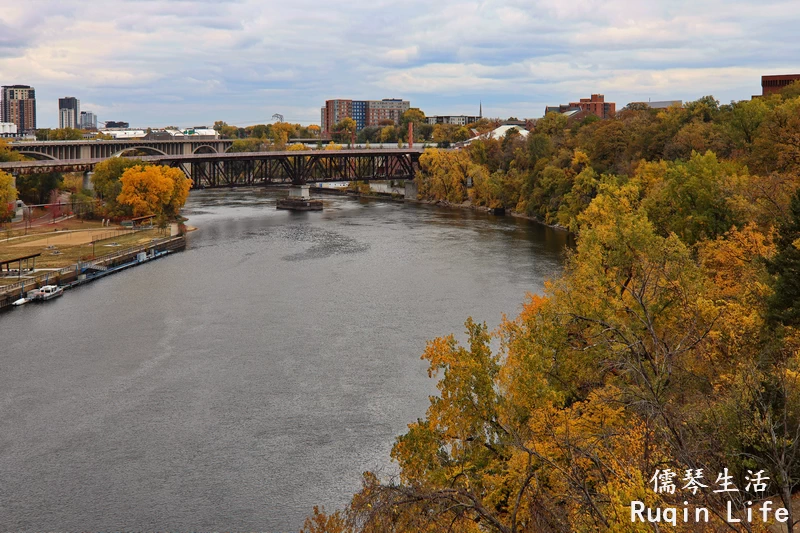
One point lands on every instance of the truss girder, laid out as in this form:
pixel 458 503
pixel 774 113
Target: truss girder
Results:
pixel 300 169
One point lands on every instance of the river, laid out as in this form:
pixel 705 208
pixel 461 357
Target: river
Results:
pixel 235 385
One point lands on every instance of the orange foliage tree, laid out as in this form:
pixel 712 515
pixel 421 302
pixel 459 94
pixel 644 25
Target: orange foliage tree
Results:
pixel 156 190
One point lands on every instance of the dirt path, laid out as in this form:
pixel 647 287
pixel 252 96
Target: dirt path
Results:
pixel 73 238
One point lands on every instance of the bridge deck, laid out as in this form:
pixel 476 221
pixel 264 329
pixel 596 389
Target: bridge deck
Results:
pixel 261 168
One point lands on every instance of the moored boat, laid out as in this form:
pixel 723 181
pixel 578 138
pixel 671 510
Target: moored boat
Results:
pixel 47 292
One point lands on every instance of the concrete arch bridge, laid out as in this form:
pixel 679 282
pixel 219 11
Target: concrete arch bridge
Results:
pixel 90 149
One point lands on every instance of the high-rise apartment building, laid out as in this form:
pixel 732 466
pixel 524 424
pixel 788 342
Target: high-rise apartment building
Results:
pixel 88 120
pixel 365 112
pixel 18 106
pixel 69 112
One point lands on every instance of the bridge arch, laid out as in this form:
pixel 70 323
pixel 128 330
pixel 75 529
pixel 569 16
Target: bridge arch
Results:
pixel 149 149
pixel 205 149
pixel 38 156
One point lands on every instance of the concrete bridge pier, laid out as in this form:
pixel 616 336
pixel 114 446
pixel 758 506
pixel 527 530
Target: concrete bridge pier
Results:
pixel 87 181
pixel 410 190
pixel 299 199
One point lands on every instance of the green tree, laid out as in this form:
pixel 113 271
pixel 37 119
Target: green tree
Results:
pixel 107 184
pixel 697 199
pixel 784 305
pixel 37 188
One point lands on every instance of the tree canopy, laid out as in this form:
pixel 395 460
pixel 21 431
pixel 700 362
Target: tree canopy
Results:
pixel 670 343
pixel 154 190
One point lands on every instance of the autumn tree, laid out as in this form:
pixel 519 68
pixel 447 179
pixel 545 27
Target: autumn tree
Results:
pixel 412 116
pixel 225 131
pixel 445 176
pixel 107 184
pixel 156 190
pixel 8 196
pixel 699 198
pixel 344 130
pixel 389 134
pixel 7 154
pixel 248 145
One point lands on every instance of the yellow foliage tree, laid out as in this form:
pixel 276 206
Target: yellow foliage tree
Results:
pixel 156 190
pixel 8 194
pixel 445 175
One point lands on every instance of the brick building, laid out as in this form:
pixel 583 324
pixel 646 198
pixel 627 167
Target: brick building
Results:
pixel 596 105
pixel 774 84
pixel 365 112
pixel 19 107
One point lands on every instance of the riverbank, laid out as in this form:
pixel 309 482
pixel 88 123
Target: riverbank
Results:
pixel 86 271
pixel 440 203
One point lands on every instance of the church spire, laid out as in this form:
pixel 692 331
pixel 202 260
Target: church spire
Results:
pixel 480 113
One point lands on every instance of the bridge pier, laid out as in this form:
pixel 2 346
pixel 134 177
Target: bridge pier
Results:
pixel 88 185
pixel 299 199
pixel 410 190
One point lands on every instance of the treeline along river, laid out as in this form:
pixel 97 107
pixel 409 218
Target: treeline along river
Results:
pixel 236 384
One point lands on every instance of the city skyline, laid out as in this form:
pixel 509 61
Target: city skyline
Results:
pixel 165 63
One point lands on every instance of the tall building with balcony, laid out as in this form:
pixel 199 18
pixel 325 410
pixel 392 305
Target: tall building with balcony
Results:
pixel 365 112
pixel 18 106
pixel 69 112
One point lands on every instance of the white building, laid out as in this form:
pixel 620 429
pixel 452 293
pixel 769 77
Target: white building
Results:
pixel 498 133
pixel 125 134
pixel 8 129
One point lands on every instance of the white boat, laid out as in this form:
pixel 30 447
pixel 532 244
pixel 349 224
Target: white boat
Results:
pixel 48 292
pixel 21 301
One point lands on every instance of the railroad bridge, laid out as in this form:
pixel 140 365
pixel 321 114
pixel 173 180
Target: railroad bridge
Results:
pixel 94 149
pixel 247 169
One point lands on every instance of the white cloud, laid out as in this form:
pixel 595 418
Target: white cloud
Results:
pixel 195 61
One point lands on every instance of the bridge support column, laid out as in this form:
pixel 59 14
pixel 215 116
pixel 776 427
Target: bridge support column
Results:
pixel 87 181
pixel 410 190
pixel 299 199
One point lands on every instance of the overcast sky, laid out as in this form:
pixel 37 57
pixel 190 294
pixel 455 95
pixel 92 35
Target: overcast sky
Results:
pixel 191 62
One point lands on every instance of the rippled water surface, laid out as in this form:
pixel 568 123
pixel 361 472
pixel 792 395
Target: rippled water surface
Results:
pixel 236 384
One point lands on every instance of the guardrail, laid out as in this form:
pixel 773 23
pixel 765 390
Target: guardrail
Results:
pixel 36 280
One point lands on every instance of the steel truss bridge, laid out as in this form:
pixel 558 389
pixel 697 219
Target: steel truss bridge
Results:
pixel 247 169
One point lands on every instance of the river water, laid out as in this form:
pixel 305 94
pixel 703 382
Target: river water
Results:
pixel 236 384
